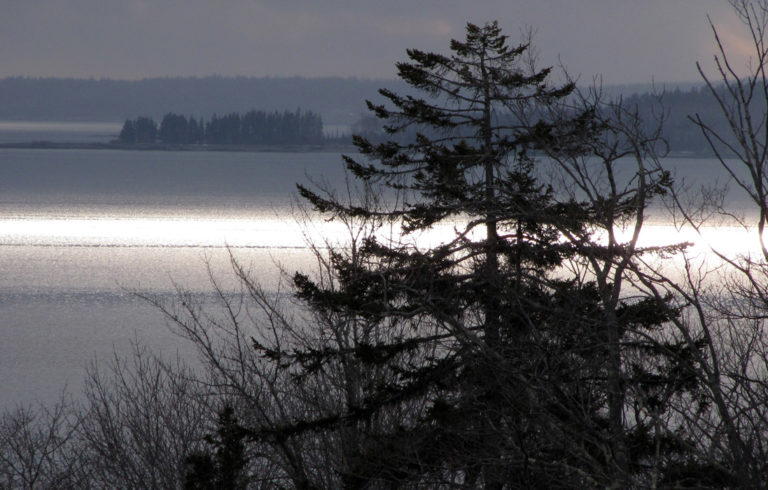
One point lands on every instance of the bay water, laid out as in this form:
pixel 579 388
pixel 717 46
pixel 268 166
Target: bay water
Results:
pixel 84 233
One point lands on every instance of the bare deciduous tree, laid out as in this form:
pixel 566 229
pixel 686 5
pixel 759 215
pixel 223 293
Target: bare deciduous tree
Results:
pixel 141 419
pixel 39 448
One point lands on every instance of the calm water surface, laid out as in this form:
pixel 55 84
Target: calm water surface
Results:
pixel 81 229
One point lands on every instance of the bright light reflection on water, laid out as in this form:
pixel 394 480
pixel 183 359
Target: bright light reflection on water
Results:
pixel 729 240
pixel 275 232
pixel 81 230
pixel 152 232
pixel 65 293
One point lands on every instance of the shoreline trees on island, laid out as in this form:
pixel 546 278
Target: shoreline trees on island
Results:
pixel 252 128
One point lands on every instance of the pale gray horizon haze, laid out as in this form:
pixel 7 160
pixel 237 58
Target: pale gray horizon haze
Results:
pixel 624 41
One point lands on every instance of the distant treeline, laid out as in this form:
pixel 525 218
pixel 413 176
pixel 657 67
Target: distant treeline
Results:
pixel 252 128
pixel 676 108
pixel 340 101
pixel 671 110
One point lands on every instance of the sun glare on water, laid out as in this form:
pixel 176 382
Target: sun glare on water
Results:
pixel 731 241
pixel 151 232
pixel 273 232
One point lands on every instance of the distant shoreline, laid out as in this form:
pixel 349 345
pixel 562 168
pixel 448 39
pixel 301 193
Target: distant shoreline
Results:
pixel 51 145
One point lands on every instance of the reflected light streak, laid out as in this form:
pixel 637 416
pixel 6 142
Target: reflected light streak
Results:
pixel 274 232
pixel 731 241
pixel 152 232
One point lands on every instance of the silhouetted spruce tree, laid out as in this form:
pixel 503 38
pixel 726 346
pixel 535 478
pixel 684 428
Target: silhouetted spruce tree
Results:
pixel 146 130
pixel 224 468
pixel 174 129
pixel 504 372
pixel 473 299
pixel 196 131
pixel 128 133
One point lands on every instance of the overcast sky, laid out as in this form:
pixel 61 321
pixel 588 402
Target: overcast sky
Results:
pixel 625 41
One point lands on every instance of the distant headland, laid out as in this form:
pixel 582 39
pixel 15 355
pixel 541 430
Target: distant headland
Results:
pixel 338 103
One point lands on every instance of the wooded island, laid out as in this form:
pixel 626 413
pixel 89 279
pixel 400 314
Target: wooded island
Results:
pixel 252 128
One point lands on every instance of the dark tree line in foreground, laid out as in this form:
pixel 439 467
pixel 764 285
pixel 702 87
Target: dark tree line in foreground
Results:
pixel 537 343
pixel 506 356
pixel 252 128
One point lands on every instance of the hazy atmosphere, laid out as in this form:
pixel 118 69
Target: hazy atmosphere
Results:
pixel 327 244
pixel 625 41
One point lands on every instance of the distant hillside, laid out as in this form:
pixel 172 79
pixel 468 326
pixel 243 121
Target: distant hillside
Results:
pixel 677 106
pixel 340 101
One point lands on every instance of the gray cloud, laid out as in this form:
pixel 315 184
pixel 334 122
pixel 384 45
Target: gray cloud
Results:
pixel 626 41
